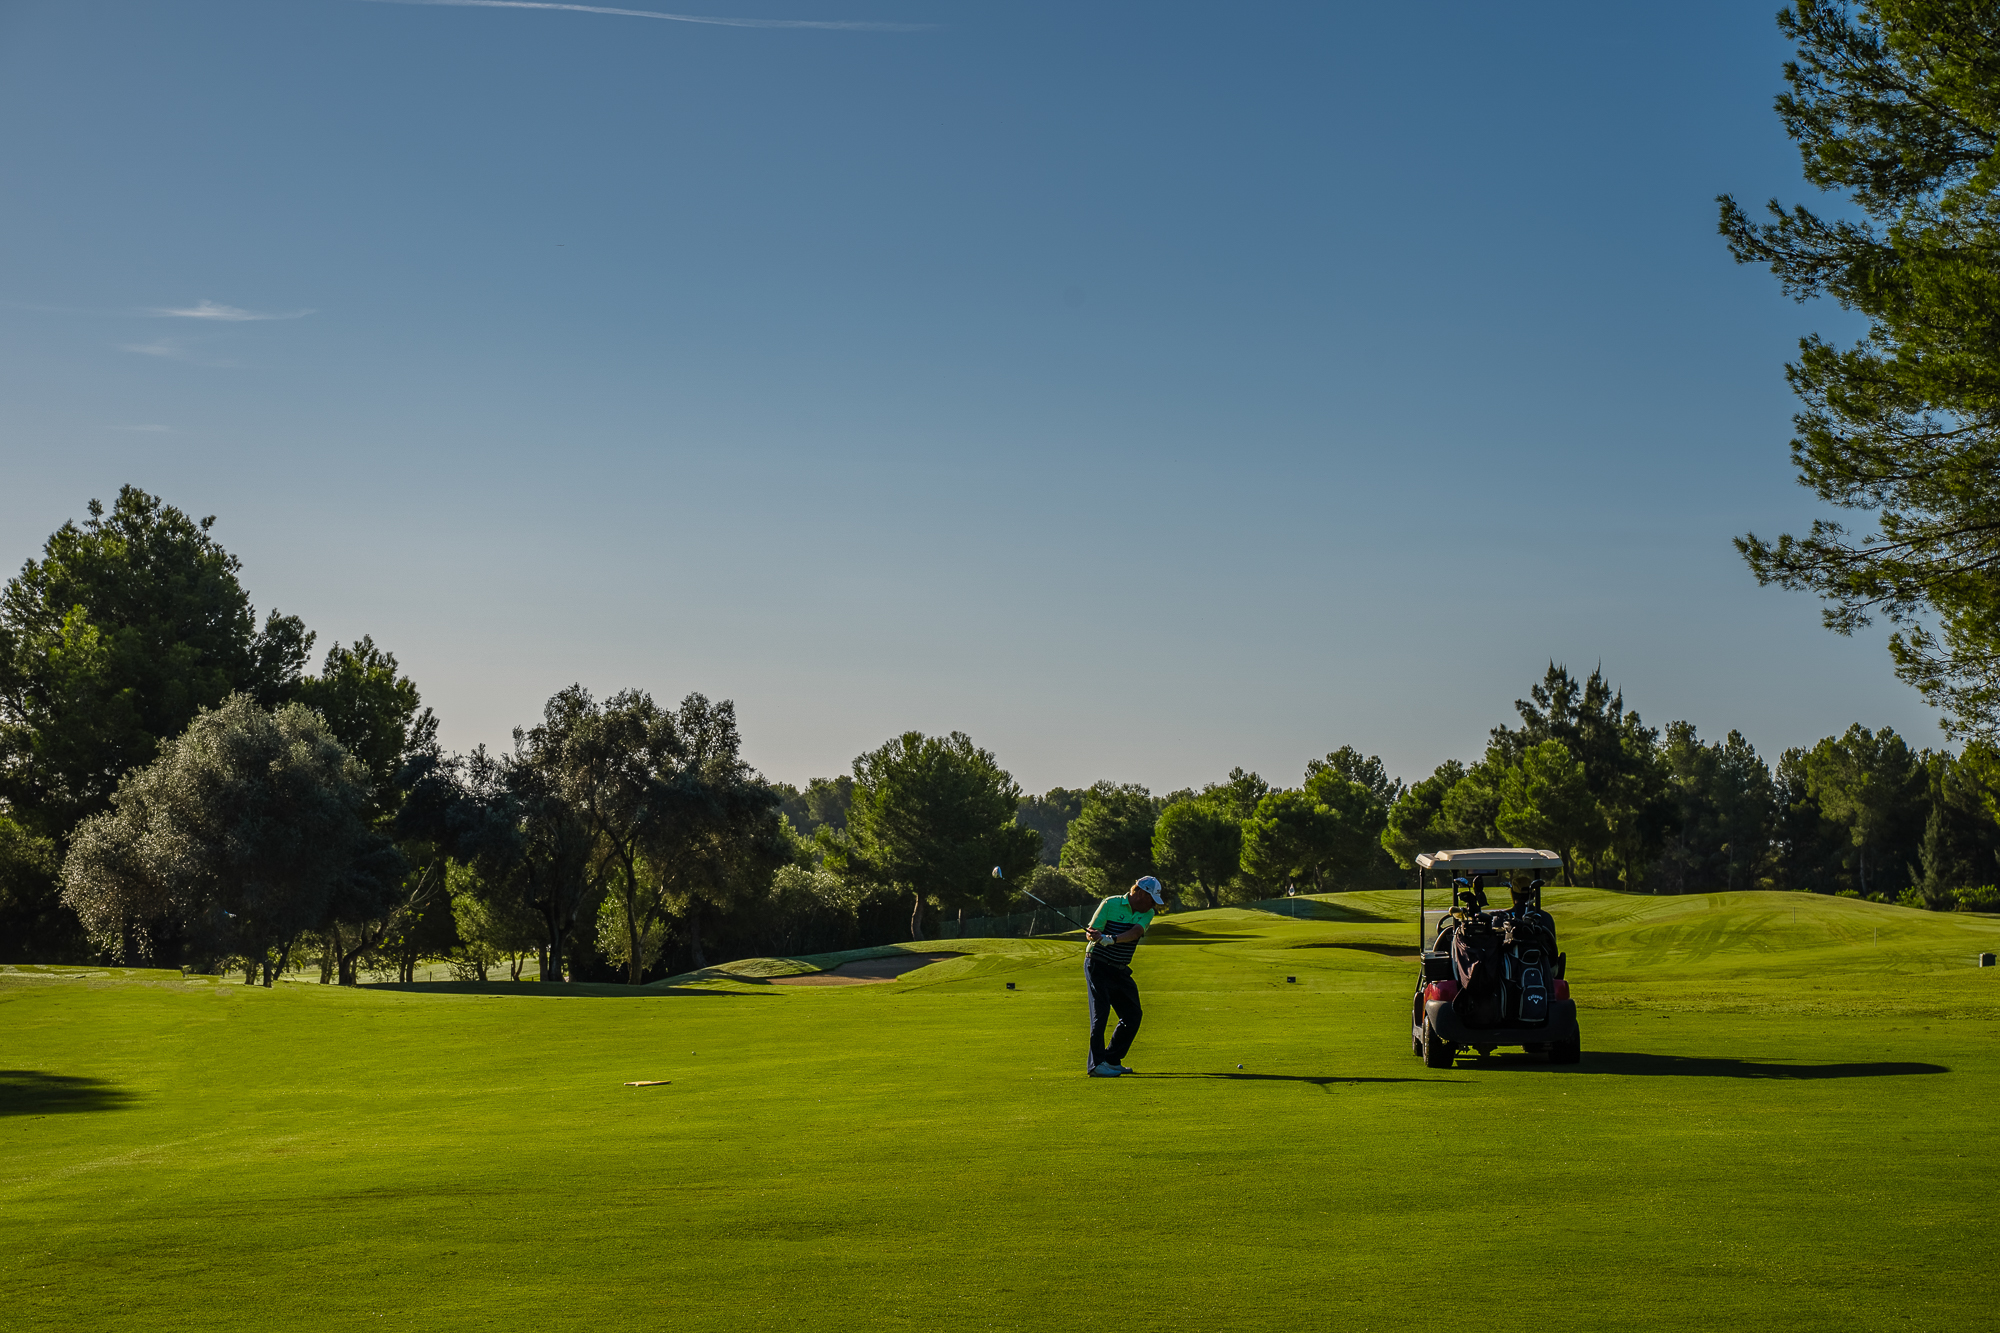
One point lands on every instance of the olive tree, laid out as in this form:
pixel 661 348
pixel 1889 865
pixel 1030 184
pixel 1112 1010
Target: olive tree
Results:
pixel 717 834
pixel 244 828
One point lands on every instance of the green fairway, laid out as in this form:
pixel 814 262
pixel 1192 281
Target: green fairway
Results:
pixel 1777 1123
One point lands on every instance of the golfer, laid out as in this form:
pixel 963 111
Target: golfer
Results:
pixel 1114 932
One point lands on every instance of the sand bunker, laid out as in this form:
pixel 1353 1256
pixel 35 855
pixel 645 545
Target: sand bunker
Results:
pixel 866 972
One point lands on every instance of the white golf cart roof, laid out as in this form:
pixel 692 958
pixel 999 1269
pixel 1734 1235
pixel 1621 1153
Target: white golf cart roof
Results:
pixel 1488 860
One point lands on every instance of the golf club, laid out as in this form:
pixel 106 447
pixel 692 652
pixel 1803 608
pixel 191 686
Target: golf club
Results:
pixel 1057 910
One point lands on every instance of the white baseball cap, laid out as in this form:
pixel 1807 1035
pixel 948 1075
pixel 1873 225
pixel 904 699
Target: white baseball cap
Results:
pixel 1153 890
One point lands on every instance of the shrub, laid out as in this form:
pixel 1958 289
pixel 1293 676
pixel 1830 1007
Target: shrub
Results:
pixel 1985 898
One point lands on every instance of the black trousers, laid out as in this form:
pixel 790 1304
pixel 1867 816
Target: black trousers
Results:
pixel 1111 989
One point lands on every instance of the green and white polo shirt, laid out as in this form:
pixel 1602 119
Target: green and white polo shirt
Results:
pixel 1116 916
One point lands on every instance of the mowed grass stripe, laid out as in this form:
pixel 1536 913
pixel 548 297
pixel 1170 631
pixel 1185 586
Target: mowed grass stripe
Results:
pixel 926 1153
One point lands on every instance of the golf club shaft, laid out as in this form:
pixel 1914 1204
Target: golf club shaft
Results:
pixel 1058 911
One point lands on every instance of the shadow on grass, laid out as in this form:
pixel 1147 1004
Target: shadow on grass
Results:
pixel 571 990
pixel 1701 1066
pixel 1317 1080
pixel 31 1092
pixel 1312 909
pixel 1406 952
pixel 1166 932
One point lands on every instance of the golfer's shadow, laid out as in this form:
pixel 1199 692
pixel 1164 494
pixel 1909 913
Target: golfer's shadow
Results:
pixel 1317 1080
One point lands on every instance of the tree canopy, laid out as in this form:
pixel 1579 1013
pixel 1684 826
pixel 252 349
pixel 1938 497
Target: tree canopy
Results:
pixel 373 711
pixel 1113 833
pixel 1545 802
pixel 1894 107
pixel 1049 815
pixel 242 829
pixel 932 816
pixel 1199 844
pixel 129 624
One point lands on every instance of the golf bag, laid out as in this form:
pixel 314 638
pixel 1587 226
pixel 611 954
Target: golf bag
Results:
pixel 1504 963
pixel 1527 954
pixel 1479 964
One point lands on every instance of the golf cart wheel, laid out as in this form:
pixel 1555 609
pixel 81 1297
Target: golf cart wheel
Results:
pixel 1437 1053
pixel 1565 1052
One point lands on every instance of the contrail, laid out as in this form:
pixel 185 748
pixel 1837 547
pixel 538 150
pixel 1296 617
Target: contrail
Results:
pixel 207 309
pixel 672 18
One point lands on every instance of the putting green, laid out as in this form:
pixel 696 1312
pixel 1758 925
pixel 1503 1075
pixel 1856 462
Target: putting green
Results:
pixel 1777 1123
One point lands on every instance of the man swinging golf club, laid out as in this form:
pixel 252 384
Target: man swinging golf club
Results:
pixel 1114 932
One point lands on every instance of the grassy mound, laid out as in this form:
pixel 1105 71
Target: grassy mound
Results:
pixel 1777 1123
pixel 978 958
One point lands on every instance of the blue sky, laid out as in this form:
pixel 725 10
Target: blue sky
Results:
pixel 1144 389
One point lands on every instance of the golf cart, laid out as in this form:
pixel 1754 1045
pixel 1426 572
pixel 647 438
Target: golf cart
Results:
pixel 1490 978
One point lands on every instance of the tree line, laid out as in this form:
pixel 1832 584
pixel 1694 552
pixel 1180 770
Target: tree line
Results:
pixel 176 787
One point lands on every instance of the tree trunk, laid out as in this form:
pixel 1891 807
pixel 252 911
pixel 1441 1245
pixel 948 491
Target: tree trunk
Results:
pixel 917 917
pixel 326 960
pixel 547 952
pixel 635 964
pixel 350 959
pixel 628 897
